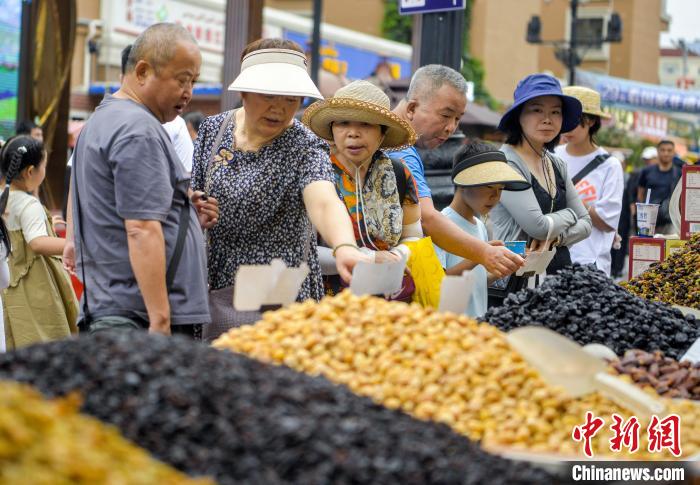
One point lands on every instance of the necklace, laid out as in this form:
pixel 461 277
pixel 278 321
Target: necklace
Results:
pixel 547 173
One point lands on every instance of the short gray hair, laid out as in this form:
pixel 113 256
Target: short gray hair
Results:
pixel 156 45
pixel 431 77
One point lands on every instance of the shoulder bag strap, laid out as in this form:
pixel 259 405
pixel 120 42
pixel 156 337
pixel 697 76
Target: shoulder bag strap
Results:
pixel 592 165
pixel 215 149
pixel 183 226
pixel 401 183
pixel 74 172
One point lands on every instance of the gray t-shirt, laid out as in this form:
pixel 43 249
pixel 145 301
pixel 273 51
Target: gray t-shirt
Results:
pixel 125 167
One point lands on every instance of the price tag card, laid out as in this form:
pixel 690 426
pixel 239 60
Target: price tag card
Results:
pixel 455 292
pixel 537 262
pixel 273 284
pixel 693 353
pixel 377 279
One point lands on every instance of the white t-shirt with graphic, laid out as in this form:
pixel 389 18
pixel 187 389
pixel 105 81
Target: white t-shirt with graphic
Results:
pixel 602 188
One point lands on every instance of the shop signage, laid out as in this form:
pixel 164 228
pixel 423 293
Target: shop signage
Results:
pixel 207 25
pixel 640 95
pixel 410 7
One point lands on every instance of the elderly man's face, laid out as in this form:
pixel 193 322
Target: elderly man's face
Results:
pixel 168 90
pixel 437 116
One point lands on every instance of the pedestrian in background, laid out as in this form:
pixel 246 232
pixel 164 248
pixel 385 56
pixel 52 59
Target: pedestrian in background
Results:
pixel 29 128
pixel 660 179
pixel 40 305
pixel 434 104
pixel 598 178
pixel 193 119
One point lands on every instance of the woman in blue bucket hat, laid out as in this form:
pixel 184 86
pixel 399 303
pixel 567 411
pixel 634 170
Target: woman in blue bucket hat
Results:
pixel 550 213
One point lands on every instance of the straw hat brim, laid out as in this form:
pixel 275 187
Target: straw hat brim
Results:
pixel 491 173
pixel 276 78
pixel 319 116
pixel 597 112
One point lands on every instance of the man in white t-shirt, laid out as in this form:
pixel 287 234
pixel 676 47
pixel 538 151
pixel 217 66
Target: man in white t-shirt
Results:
pixel 598 178
pixel 182 142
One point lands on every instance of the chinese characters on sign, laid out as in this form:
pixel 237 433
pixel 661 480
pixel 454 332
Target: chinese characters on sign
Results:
pixel 662 434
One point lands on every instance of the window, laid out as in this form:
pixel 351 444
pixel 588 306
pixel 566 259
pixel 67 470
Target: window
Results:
pixel 591 28
pixel 590 31
pixel 670 69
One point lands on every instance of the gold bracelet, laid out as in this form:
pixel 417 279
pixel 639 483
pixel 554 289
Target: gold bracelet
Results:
pixel 349 245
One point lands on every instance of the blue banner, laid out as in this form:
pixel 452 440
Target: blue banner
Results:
pixel 642 96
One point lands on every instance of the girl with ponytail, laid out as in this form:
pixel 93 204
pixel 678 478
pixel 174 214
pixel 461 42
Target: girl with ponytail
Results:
pixel 40 305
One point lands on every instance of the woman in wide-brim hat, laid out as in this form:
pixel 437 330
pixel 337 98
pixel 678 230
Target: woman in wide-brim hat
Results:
pixel 540 113
pixel 379 193
pixel 271 175
pixel 600 179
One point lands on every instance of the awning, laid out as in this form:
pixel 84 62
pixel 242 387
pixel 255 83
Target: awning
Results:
pixel 200 89
pixel 477 114
pixel 640 96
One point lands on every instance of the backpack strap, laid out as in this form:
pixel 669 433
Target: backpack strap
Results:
pixel 401 182
pixel 592 165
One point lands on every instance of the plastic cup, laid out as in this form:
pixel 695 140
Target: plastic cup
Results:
pixel 518 247
pixel 646 219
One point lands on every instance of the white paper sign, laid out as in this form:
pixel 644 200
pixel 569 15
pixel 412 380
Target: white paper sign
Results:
pixel 537 262
pixel 693 353
pixel 455 292
pixel 377 279
pixel 273 284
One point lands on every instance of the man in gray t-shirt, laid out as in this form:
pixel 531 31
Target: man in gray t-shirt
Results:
pixel 131 189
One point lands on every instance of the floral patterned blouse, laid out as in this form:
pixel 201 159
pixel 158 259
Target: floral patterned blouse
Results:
pixel 262 212
pixel 380 216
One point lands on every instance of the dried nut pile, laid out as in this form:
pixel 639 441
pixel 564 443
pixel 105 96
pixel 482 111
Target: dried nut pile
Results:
pixel 241 421
pixel 665 375
pixel 442 367
pixel 49 442
pixel 585 305
pixel 675 281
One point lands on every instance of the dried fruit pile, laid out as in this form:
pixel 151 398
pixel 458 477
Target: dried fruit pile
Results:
pixel 49 442
pixel 435 366
pixel 241 421
pixel 675 281
pixel 665 375
pixel 585 305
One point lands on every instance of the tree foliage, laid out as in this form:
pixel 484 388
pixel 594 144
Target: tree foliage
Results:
pixel 396 27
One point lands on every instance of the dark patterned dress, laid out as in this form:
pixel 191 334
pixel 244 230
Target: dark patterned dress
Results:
pixel 262 213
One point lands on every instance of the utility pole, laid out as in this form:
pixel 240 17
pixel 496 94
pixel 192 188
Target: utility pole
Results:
pixel 573 61
pixel 243 25
pixel 26 63
pixel 441 39
pixel 316 41
pixel 438 31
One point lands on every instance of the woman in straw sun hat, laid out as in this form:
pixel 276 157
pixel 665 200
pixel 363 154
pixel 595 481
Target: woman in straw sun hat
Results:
pixel 550 213
pixel 271 176
pixel 379 193
pixel 598 177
